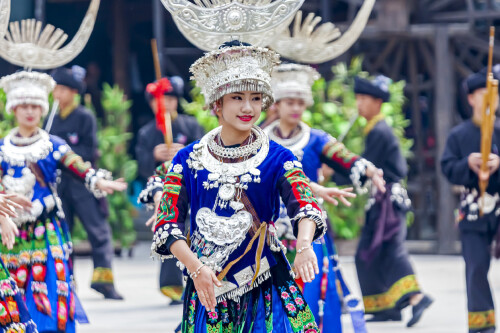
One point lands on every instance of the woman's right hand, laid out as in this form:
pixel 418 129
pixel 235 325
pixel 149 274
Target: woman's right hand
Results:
pixel 9 232
pixel 204 284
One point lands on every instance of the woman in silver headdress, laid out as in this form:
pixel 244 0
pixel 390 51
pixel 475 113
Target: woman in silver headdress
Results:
pixel 38 257
pixel 232 179
pixel 291 85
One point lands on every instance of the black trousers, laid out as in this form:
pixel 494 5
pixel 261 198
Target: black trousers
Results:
pixel 388 281
pixel 476 251
pixel 78 201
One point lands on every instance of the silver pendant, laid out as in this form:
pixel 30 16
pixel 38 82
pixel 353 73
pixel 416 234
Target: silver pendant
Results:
pixel 226 192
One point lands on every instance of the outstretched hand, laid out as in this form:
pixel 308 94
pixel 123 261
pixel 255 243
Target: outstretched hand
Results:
pixel 110 186
pixel 333 194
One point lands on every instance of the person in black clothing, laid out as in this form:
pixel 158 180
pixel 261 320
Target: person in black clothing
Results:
pixel 387 280
pixel 461 163
pixel 77 125
pixel 151 149
pixel 152 152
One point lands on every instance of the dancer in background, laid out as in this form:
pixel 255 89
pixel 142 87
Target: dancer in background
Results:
pixel 30 158
pixel 386 276
pixel 461 163
pixel 291 85
pixel 77 126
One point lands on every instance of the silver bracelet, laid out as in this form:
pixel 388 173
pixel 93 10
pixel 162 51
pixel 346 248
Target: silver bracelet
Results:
pixel 302 249
pixel 195 274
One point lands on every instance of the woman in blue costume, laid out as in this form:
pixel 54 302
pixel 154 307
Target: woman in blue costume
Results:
pixel 14 316
pixel 38 261
pixel 291 85
pixel 232 180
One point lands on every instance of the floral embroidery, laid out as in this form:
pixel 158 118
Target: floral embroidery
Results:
pixel 299 313
pixel 389 299
pixel 480 320
pixel 269 312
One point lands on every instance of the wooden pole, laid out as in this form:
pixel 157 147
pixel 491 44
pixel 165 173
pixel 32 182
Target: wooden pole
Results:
pixel 168 119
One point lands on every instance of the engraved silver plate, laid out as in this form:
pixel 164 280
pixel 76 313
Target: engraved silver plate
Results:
pixel 223 230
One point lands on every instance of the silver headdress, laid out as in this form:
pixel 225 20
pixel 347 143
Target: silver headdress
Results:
pixel 29 46
pixel 209 23
pixel 294 81
pixel 236 68
pixel 314 46
pixel 27 88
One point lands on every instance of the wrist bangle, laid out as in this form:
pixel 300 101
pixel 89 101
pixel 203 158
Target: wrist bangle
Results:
pixel 195 274
pixel 302 249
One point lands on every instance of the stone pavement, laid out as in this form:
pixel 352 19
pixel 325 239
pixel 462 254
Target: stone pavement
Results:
pixel 146 310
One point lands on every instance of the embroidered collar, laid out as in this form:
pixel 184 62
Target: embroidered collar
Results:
pixel 296 143
pixel 372 122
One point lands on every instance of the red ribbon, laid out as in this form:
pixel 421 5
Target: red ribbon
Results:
pixel 158 89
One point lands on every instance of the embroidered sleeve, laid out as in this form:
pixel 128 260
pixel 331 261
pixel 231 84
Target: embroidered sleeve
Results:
pixel 83 170
pixel 154 185
pixel 171 214
pixel 298 198
pixel 344 162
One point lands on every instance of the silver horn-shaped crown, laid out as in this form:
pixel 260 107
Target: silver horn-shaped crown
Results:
pixel 209 23
pixel 314 46
pixel 4 16
pixel 29 46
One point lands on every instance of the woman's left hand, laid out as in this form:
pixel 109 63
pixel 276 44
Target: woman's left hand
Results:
pixel 306 264
pixel 110 186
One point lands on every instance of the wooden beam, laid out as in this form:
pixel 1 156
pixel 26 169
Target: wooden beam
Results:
pixel 465 15
pixel 443 114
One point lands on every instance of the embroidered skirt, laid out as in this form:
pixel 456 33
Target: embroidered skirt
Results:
pixel 275 305
pixel 14 315
pixel 39 264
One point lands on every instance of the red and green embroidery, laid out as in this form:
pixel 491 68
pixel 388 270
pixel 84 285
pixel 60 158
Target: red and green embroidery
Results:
pixel 338 153
pixel 389 299
pixel 162 170
pixel 481 319
pixel 300 187
pixel 168 212
pixel 75 163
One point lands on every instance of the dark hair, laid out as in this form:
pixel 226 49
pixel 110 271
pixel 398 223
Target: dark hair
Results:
pixel 234 43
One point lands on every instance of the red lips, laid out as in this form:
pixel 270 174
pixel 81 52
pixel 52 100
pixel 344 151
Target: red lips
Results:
pixel 245 118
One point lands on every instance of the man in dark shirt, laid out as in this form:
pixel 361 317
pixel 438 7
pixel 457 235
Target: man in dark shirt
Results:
pixel 386 276
pixel 461 163
pixel 151 151
pixel 77 125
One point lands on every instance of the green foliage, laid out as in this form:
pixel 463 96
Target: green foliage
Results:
pixel 113 144
pixel 335 112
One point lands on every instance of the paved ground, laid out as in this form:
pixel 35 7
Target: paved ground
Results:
pixel 146 310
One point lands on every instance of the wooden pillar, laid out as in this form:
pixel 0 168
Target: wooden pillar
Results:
pixel 120 45
pixel 443 114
